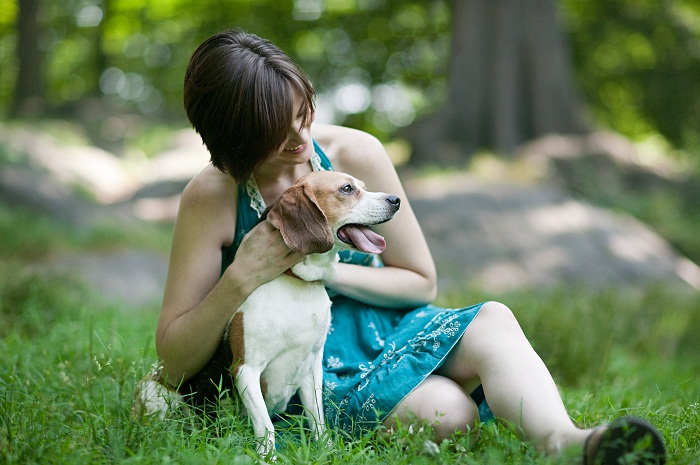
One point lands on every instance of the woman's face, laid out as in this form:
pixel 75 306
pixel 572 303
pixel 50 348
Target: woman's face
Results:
pixel 298 147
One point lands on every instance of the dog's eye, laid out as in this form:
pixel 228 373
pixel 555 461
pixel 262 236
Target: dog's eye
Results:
pixel 347 189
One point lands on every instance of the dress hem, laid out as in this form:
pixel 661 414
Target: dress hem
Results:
pixel 438 365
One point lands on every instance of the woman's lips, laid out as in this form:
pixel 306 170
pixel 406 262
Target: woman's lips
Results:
pixel 297 149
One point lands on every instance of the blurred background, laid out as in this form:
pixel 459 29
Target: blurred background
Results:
pixel 550 150
pixel 598 98
pixel 541 65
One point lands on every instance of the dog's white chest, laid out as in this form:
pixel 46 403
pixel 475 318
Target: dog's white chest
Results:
pixel 285 323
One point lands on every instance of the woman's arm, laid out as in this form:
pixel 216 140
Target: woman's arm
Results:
pixel 196 303
pixel 408 277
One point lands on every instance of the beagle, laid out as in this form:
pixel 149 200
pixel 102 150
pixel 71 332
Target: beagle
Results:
pixel 273 343
pixel 277 335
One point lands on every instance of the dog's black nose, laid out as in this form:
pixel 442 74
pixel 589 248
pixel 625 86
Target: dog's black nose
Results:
pixel 395 201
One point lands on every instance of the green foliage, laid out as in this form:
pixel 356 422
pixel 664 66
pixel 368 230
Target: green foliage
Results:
pixel 29 236
pixel 133 54
pixel 30 303
pixel 637 63
pixel 377 65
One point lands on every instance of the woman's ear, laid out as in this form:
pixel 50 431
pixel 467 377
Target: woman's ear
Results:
pixel 303 225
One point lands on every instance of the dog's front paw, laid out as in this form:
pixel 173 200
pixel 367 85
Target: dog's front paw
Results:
pixel 266 447
pixel 315 270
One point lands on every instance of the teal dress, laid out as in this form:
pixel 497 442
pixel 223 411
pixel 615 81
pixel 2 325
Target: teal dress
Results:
pixel 373 357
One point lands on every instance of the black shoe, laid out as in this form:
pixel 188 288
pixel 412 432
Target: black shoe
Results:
pixel 628 441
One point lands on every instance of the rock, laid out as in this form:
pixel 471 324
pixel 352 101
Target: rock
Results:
pixel 72 164
pixel 502 237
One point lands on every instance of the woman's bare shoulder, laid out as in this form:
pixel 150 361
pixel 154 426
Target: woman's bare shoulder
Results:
pixel 209 186
pixel 209 202
pixel 325 131
pixel 350 149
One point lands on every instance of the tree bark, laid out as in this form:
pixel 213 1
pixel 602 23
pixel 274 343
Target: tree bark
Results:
pixel 510 80
pixel 30 90
pixel 101 61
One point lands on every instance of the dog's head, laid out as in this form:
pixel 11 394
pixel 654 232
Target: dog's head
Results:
pixel 327 208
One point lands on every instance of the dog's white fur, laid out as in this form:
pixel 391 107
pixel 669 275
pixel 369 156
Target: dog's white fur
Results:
pixel 285 321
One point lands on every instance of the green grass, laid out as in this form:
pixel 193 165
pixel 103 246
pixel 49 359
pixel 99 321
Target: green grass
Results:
pixel 71 362
pixel 24 235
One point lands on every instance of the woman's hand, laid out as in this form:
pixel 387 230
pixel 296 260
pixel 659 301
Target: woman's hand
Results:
pixel 263 255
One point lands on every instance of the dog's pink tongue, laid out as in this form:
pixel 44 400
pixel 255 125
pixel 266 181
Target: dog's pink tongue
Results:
pixel 364 238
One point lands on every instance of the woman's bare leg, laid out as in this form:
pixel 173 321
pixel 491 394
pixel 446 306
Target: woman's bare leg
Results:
pixel 518 386
pixel 440 402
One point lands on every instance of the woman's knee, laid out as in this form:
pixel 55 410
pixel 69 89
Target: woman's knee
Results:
pixel 497 316
pixel 442 404
pixel 463 364
pixel 496 309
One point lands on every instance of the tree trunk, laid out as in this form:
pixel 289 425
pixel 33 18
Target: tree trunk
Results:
pixel 510 80
pixel 101 61
pixel 30 90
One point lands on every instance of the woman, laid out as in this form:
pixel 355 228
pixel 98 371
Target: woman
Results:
pixel 390 355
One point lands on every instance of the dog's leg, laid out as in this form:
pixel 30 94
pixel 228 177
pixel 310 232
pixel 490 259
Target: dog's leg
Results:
pixel 248 387
pixel 311 396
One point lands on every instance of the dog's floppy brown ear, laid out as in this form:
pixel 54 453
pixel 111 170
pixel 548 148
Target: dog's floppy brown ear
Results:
pixel 303 225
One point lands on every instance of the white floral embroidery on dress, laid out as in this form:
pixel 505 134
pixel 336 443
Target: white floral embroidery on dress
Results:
pixel 394 355
pixel 380 341
pixel 256 201
pixel 369 403
pixel 365 369
pixel 448 327
pixel 391 352
pixel 333 362
pixel 452 329
pixel 316 163
pixel 391 355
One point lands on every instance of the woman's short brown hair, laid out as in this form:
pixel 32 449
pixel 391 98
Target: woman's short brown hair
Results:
pixel 239 96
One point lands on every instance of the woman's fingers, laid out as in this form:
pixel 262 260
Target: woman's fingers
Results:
pixel 264 253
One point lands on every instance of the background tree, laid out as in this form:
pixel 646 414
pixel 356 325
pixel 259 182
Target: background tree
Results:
pixel 29 95
pixel 510 80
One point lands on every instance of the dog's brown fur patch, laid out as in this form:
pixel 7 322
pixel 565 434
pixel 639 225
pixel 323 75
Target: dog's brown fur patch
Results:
pixel 236 342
